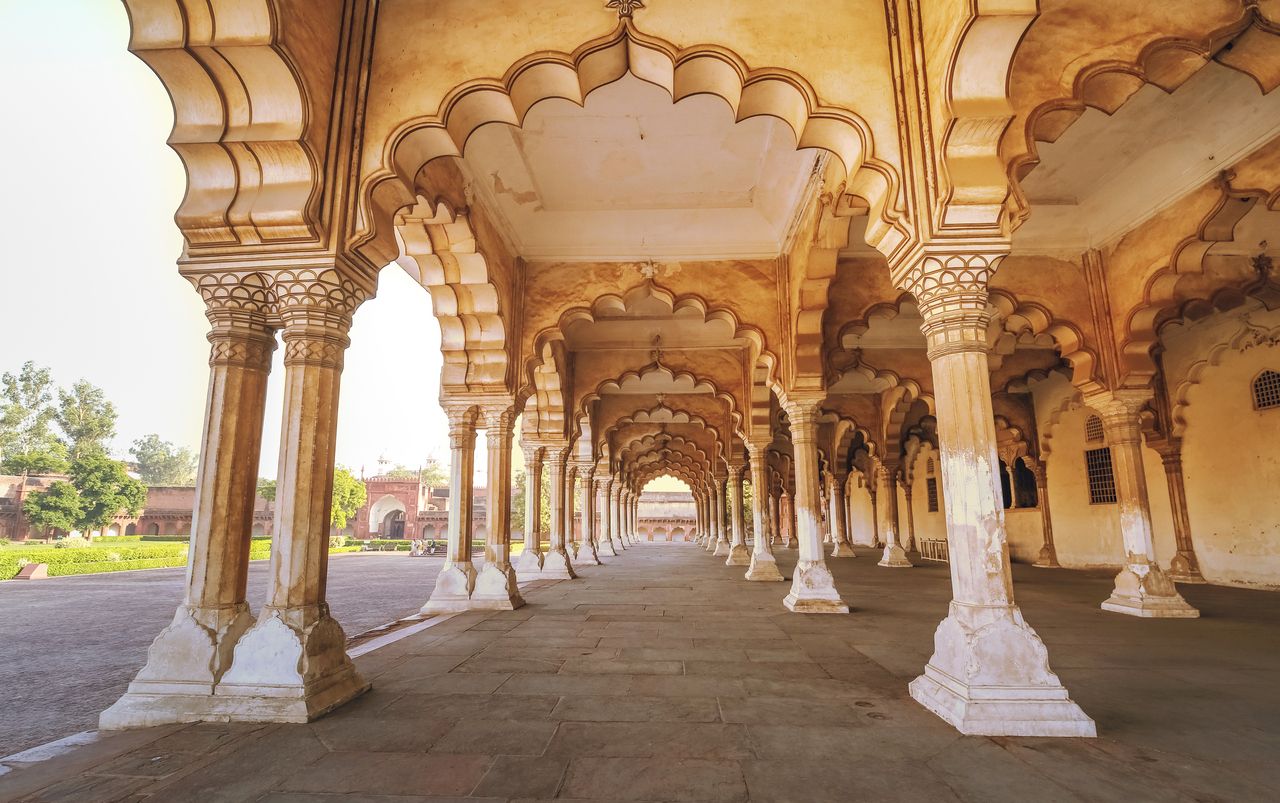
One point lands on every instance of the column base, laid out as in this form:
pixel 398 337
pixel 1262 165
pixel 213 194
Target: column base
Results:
pixel 813 590
pixel 1143 589
pixel 843 549
pixel 286 673
pixel 528 565
pixel 618 546
pixel 605 549
pixel 496 589
pixel 556 565
pixel 721 549
pixel 1185 569
pixel 791 543
pixel 585 556
pixel 764 569
pixel 738 556
pixel 895 557
pixel 1048 558
pixel 452 593
pixel 183 665
pixel 989 676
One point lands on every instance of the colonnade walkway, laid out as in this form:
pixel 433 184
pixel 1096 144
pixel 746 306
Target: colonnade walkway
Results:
pixel 664 676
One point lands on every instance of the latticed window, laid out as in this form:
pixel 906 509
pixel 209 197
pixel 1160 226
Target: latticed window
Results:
pixel 1102 478
pixel 1266 390
pixel 1093 428
pixel 931 492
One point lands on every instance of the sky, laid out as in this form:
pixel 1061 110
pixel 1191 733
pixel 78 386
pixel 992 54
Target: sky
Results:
pixel 88 272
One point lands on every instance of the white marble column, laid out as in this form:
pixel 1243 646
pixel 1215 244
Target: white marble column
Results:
pixel 1185 566
pixel 1048 557
pixel 1142 587
pixel 457 576
pixel 764 567
pixel 556 563
pixel 812 588
pixel 739 555
pixel 496 587
pixel 292 665
pixel 190 656
pixel 837 516
pixel 722 547
pixel 989 673
pixel 894 556
pixel 787 515
pixel 774 526
pixel 586 551
pixel 615 511
pixel 911 517
pixel 528 564
pixel 604 537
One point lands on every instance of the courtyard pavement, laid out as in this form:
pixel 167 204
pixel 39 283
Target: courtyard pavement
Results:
pixel 72 644
pixel 664 676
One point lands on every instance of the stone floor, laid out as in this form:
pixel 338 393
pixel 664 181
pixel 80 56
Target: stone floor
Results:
pixel 666 677
pixel 72 644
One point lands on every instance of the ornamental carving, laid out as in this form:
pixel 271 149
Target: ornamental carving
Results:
pixel 241 351
pixel 319 288
pixel 323 352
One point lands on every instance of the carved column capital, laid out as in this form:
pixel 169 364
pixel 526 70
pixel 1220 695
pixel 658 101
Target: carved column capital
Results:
pixel 802 412
pixel 499 420
pixel 532 455
pixel 949 283
pixel 1120 411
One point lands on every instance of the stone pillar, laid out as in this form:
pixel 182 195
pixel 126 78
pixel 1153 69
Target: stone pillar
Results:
pixel 457 577
pixel 836 515
pixel 739 555
pixel 556 564
pixel 586 552
pixel 722 547
pixel 786 521
pixel 989 673
pixel 1142 587
pixel 604 536
pixel 615 525
pixel 189 657
pixel 634 534
pixel 496 588
pixel 894 557
pixel 812 588
pixel 911 517
pixel 528 564
pixel 1185 567
pixel 292 665
pixel 774 534
pixel 764 567
pixel 875 513
pixel 1048 557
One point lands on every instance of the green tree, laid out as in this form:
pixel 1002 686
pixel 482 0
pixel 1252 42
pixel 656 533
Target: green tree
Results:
pixel 267 489
pixel 349 495
pixel 50 460
pixel 402 472
pixel 162 463
pixel 86 418
pixel 26 411
pixel 433 474
pixel 57 507
pixel 105 489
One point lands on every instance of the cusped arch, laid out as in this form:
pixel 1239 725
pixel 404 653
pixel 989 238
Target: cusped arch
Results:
pixel 682 72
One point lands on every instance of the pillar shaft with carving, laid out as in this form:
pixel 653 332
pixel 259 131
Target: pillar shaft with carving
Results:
pixel 292 665
pixel 739 555
pixel 894 557
pixel 1185 566
pixel 1048 557
pixel 764 567
pixel 837 516
pixel 604 539
pixel 496 587
pixel 989 673
pixel 1142 587
pixel 528 564
pixel 556 563
pixel 457 576
pixel 586 547
pixel 813 589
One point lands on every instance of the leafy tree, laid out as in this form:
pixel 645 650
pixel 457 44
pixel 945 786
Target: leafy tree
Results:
pixel 402 472
pixel 105 489
pixel 52 459
pixel 58 507
pixel 86 418
pixel 349 495
pixel 433 474
pixel 162 463
pixel 26 411
pixel 267 489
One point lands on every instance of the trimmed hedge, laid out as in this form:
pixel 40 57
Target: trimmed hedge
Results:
pixel 99 567
pixel 94 559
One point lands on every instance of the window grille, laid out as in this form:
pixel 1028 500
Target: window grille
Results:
pixel 929 466
pixel 1102 479
pixel 1266 390
pixel 1093 428
pixel 931 491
